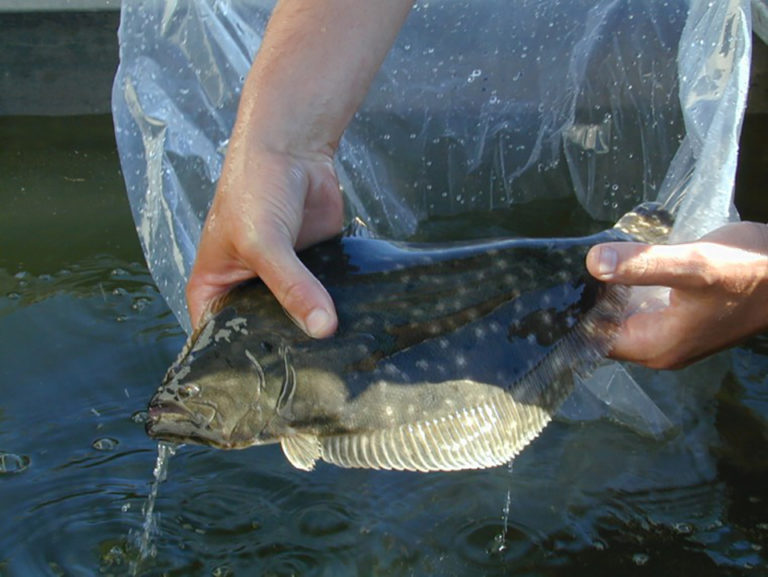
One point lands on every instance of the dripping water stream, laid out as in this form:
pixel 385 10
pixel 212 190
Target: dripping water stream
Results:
pixel 149 527
pixel 500 542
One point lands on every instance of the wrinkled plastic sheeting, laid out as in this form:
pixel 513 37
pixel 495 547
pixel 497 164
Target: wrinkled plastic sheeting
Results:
pixel 479 105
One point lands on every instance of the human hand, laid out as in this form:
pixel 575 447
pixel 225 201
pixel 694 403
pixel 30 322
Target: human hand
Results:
pixel 718 296
pixel 278 189
pixel 267 204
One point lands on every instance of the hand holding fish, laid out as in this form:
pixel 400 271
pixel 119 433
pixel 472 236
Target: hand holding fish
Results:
pixel 266 204
pixel 719 293
pixel 278 189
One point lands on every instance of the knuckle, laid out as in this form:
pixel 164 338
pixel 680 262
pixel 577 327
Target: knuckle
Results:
pixel 699 268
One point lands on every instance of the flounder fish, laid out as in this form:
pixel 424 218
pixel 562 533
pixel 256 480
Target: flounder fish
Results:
pixel 446 357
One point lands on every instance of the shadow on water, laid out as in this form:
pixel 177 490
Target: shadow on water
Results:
pixel 86 339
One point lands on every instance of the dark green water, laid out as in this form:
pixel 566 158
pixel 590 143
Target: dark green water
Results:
pixel 85 339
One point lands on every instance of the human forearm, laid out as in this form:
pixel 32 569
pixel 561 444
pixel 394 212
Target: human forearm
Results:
pixel 314 68
pixel 278 188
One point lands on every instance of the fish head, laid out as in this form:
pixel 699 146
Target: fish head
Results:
pixel 223 390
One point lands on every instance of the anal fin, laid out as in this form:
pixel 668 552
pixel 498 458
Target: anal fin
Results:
pixel 302 451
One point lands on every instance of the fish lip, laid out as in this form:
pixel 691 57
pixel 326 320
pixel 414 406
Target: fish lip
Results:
pixel 157 410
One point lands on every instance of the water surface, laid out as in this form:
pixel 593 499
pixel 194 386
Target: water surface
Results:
pixel 86 339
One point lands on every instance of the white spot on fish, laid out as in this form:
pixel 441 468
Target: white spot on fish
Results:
pixel 238 325
pixel 390 369
pixel 222 334
pixel 180 374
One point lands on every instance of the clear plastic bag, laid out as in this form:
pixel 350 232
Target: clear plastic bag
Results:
pixel 480 104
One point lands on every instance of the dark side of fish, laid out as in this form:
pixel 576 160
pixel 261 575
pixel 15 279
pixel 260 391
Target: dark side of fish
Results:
pixel 446 357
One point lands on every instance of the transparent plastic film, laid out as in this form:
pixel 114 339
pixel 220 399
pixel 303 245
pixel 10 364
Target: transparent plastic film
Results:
pixel 480 105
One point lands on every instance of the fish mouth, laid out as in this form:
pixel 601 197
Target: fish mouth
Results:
pixel 172 422
pixel 164 417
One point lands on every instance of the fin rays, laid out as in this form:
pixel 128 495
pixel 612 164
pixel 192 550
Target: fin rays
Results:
pixel 493 432
pixel 478 437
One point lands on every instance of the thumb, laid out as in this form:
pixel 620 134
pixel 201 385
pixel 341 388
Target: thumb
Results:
pixel 298 291
pixel 631 263
pixel 301 295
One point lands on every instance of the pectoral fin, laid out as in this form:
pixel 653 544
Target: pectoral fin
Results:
pixel 302 451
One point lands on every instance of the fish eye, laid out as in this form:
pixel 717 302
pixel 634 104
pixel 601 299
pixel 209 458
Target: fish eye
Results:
pixel 267 347
pixel 188 390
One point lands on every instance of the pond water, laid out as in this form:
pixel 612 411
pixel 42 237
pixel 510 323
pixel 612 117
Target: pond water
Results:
pixel 86 339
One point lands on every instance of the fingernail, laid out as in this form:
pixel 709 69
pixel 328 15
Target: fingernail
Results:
pixel 608 258
pixel 317 322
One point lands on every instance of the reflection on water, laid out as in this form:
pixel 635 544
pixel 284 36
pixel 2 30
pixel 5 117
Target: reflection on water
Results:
pixel 86 342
